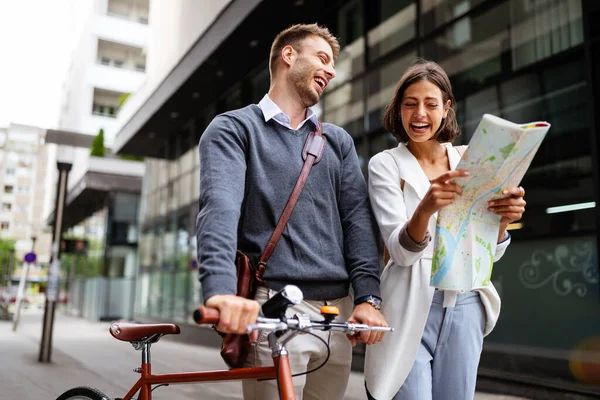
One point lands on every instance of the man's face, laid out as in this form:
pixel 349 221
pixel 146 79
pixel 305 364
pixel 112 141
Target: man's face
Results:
pixel 312 70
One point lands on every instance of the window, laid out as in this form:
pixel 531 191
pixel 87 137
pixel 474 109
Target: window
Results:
pixel 118 63
pixel 395 26
pixel 350 61
pixel 10 171
pixel 6 206
pixel 140 67
pixel 23 189
pixel 435 13
pixel 104 61
pixel 344 107
pixel 503 39
pixel 8 189
pixel 4 226
pixel 381 85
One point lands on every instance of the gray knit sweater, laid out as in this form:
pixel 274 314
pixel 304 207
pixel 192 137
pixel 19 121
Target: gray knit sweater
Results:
pixel 248 169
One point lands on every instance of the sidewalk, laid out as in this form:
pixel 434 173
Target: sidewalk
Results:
pixel 84 354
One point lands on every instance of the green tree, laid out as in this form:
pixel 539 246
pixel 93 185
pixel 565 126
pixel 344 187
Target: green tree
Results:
pixel 98 145
pixel 6 246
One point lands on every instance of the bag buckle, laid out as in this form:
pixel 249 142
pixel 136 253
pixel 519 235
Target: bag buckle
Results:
pixel 260 270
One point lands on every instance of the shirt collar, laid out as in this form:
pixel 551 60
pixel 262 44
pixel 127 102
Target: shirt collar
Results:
pixel 272 111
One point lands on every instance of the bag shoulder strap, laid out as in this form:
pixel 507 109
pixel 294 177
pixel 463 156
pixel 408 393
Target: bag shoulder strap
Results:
pixel 312 153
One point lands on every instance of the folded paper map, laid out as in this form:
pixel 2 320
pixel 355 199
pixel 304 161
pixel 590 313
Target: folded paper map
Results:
pixel 498 156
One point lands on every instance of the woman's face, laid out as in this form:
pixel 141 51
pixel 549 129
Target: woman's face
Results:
pixel 422 110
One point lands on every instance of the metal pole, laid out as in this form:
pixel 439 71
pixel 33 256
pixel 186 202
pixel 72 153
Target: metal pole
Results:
pixel 20 295
pixel 54 270
pixel 21 289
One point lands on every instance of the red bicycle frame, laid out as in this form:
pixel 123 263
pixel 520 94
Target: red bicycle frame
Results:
pixel 280 370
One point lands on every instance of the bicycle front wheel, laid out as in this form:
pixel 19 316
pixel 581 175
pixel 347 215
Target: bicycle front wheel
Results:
pixel 83 393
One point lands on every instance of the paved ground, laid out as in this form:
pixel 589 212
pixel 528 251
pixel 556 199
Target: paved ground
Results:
pixel 84 353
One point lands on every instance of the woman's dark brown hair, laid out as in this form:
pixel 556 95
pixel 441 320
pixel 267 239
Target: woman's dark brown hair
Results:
pixel 422 70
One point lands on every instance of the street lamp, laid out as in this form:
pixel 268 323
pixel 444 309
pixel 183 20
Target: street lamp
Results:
pixel 64 161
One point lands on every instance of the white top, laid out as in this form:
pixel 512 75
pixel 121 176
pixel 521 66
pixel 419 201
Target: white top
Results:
pixel 405 287
pixel 272 111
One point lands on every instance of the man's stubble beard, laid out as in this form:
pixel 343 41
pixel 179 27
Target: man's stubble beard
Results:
pixel 301 80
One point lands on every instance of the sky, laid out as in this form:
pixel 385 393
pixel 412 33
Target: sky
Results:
pixel 37 38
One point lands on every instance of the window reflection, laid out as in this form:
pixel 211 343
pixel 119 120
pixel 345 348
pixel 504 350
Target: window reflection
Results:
pixel 541 29
pixel 350 61
pixel 382 84
pixel 435 13
pixel 396 26
pixel 508 37
pixel 344 107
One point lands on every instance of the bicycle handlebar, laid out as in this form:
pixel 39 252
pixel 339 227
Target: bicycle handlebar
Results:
pixel 274 318
pixel 206 315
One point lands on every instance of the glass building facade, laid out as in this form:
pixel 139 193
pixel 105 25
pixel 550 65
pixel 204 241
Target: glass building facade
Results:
pixel 523 60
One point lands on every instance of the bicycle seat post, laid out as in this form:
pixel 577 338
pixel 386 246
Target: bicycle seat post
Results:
pixel 146 359
pixel 144 345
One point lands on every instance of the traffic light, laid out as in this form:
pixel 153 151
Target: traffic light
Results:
pixel 73 246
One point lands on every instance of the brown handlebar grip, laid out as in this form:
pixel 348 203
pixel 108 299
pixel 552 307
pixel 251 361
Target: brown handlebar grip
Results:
pixel 206 315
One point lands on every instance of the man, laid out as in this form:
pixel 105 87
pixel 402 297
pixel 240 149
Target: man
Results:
pixel 250 160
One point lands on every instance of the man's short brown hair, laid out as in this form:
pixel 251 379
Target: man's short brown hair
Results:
pixel 294 35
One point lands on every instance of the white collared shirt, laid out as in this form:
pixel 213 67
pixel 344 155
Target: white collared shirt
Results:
pixel 272 111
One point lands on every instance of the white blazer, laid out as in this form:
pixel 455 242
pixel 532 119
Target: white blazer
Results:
pixel 405 288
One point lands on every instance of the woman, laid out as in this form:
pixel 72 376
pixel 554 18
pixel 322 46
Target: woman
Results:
pixel 435 348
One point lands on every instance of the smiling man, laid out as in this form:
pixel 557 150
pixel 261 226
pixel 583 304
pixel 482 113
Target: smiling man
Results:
pixel 250 160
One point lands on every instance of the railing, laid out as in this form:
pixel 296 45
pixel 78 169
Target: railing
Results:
pixel 105 111
pixel 128 64
pixel 142 19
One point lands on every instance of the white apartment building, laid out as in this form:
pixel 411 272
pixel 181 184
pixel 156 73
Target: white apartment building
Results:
pixel 108 64
pixel 175 27
pixel 22 174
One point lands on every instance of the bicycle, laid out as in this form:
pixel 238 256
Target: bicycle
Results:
pixel 281 329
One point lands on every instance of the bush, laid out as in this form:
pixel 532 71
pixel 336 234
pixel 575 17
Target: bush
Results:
pixel 98 145
pixel 131 158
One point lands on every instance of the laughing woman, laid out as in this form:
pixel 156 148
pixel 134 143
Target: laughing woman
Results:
pixel 435 348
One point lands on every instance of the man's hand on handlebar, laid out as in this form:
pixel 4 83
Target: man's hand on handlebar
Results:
pixel 236 313
pixel 365 313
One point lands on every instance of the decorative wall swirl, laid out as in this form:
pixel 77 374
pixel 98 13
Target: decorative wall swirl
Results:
pixel 563 269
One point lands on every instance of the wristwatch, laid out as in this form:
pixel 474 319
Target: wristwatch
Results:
pixel 372 300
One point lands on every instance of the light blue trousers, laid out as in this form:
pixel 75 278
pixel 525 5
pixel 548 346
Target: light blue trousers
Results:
pixel 446 364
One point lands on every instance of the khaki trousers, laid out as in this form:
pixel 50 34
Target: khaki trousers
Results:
pixel 305 353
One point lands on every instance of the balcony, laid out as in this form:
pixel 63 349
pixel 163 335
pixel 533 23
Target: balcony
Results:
pixel 119 68
pixel 129 10
pixel 120 30
pixel 121 56
pixel 111 79
pixel 106 103
pixel 104 111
